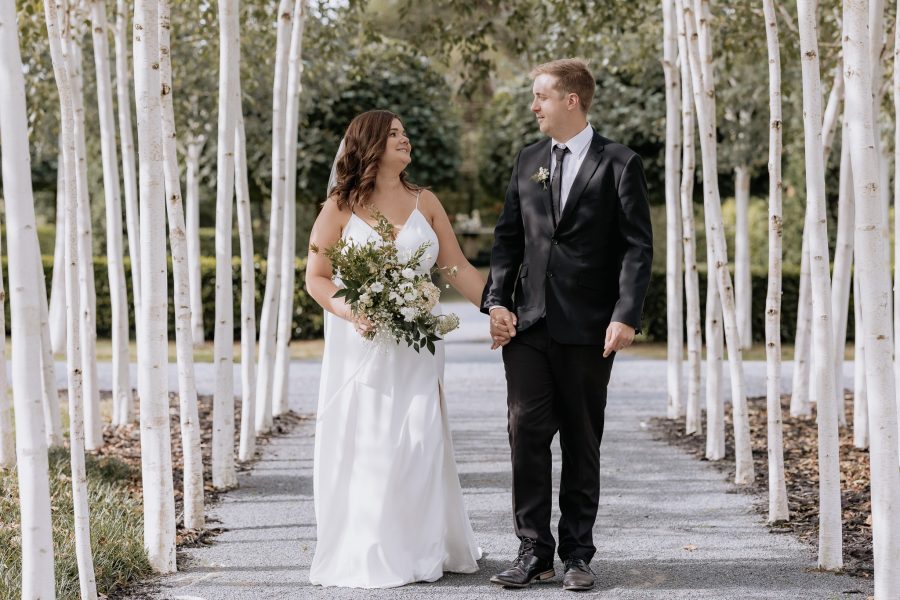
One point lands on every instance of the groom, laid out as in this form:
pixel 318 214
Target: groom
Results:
pixel 570 268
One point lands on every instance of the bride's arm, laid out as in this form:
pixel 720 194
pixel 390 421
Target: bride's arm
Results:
pixel 467 281
pixel 325 232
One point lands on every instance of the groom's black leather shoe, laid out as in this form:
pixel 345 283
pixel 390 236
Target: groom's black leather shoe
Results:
pixel 526 568
pixel 578 576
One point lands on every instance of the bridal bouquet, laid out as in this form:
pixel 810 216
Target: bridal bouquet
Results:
pixel 383 285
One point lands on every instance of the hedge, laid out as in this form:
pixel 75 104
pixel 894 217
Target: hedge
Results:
pixel 654 321
pixel 308 319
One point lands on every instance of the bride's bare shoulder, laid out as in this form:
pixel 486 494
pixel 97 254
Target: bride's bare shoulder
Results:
pixel 333 212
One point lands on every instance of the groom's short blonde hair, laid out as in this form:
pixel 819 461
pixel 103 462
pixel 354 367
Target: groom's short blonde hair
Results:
pixel 572 77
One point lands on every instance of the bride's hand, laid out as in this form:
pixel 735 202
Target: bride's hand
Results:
pixel 362 324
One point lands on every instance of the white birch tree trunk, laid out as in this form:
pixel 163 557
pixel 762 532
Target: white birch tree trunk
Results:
pixel 58 284
pixel 800 404
pixel 860 402
pixel 272 295
pixel 74 333
pixel 192 160
pixel 875 288
pixel 49 390
pixel 832 111
pixel 674 282
pixel 129 169
pixel 704 94
pixel 247 445
pixel 896 90
pixel 223 466
pixel 743 290
pixel 184 345
pixel 715 402
pixel 121 385
pixel 156 447
pixel 843 263
pixel 7 433
pixel 803 351
pixel 93 423
pixel 830 557
pixel 288 258
pixel 778 504
pixel 691 283
pixel 68 83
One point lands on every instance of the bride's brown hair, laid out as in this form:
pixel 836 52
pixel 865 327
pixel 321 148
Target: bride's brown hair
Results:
pixel 357 167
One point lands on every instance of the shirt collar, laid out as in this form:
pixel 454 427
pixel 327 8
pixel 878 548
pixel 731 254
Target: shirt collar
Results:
pixel 578 144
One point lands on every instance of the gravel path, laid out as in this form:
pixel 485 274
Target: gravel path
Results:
pixel 669 526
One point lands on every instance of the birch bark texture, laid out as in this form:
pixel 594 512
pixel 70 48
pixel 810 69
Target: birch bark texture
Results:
pixel 743 290
pixel 113 203
pixel 75 196
pixel 7 429
pixel 247 444
pixel 803 350
pixel 689 239
pixel 184 345
pixel 49 390
pixel 843 264
pixel 194 147
pixel 875 289
pixel 272 294
pixel 830 556
pixel 93 425
pixel 223 465
pixel 58 283
pixel 695 18
pixel 778 504
pixel 129 169
pixel 288 258
pixel 674 310
pixel 156 447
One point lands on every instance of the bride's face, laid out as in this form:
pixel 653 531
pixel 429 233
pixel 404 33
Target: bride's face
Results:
pixel 397 150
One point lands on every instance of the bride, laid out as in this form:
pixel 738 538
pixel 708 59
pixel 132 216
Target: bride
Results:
pixel 388 502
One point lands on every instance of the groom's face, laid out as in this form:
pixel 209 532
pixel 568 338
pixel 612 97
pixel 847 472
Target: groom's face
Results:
pixel 550 105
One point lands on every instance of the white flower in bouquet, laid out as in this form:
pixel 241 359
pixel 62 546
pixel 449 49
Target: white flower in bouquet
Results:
pixel 430 293
pixel 447 323
pixel 368 270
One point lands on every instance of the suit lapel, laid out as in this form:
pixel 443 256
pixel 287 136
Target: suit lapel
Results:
pixel 541 160
pixel 585 172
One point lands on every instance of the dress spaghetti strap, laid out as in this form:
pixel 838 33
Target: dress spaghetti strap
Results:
pixel 417 198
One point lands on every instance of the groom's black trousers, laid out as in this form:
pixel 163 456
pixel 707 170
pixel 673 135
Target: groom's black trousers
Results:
pixel 555 387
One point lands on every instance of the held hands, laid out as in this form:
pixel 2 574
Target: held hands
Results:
pixel 503 327
pixel 618 336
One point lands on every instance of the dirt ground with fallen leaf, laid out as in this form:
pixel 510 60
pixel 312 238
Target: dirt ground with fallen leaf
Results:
pixel 124 443
pixel 801 475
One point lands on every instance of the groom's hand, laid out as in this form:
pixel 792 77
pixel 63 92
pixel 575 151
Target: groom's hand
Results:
pixel 618 336
pixel 503 327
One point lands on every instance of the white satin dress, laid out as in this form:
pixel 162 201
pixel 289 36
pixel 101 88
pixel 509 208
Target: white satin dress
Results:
pixel 388 501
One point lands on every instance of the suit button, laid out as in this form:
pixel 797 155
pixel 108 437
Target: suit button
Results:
pixel 549 274
pixel 555 241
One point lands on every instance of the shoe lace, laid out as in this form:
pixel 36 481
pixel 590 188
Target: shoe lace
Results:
pixel 526 547
pixel 575 563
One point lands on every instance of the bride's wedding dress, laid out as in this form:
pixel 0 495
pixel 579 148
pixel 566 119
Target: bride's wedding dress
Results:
pixel 388 502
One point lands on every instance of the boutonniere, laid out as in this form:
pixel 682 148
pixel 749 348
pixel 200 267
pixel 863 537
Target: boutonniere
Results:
pixel 542 176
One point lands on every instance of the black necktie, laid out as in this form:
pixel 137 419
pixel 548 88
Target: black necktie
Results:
pixel 556 181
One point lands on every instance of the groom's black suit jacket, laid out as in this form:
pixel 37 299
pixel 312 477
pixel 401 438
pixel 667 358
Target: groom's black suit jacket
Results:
pixel 591 268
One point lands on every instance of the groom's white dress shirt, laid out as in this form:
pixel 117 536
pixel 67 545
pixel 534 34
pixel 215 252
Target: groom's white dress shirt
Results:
pixel 578 147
